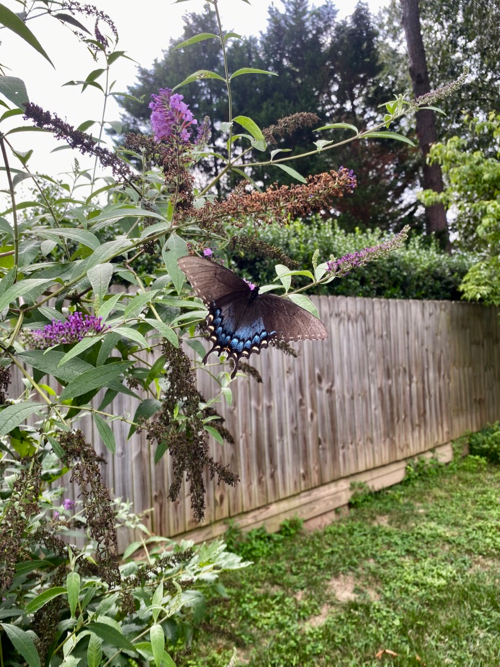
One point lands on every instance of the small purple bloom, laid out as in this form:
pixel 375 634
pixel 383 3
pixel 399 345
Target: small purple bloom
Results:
pixel 208 252
pixel 56 515
pixel 170 116
pixel 76 327
pixel 251 285
pixel 68 504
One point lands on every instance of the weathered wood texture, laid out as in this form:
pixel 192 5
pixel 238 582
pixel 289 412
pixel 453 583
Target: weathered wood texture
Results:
pixel 394 379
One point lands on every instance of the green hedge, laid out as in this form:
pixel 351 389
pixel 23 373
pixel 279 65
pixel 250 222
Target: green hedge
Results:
pixel 419 270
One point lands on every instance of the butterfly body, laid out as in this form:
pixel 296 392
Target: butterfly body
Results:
pixel 240 320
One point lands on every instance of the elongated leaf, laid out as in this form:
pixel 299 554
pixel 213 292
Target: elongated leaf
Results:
pixel 282 270
pixel 174 249
pixel 96 378
pixel 73 586
pixel 250 126
pixel 338 126
pixel 107 251
pixel 42 599
pixel 94 651
pixel 200 74
pixel 8 280
pixel 291 172
pixel 111 635
pixel 137 303
pixel 157 642
pixel 14 415
pixel 23 644
pixel 388 135
pixel 106 308
pixel 214 433
pixel 305 303
pixel 48 362
pixel 197 38
pixel 132 334
pixel 165 331
pixel 14 90
pixel 146 409
pixel 81 235
pixel 100 277
pixel 14 23
pixel 251 70
pixel 19 289
pixel 80 347
pixel 106 433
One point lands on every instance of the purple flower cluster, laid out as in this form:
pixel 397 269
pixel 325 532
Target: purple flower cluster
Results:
pixel 341 267
pixel 170 116
pixel 351 176
pixel 68 504
pixel 251 285
pixel 76 327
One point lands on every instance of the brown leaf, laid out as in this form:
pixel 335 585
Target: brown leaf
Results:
pixel 387 651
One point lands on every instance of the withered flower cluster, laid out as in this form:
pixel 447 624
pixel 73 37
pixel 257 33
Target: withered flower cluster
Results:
pixel 278 203
pixel 288 125
pixel 4 383
pixel 97 507
pixel 22 505
pixel 77 139
pixel 186 442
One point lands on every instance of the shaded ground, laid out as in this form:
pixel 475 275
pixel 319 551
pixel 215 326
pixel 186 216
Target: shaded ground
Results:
pixel 410 577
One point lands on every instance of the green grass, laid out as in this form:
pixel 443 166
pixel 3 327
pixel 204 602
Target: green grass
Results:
pixel 414 569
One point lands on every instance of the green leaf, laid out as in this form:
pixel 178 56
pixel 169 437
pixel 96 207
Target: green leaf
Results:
pixel 214 433
pixel 146 409
pixel 436 109
pixel 14 90
pixel 84 237
pixel 14 23
pixel 100 277
pixel 137 303
pixel 20 288
pixel 174 249
pixel 200 74
pixel 250 70
pixel 305 303
pixel 80 347
pixel 22 642
pixel 42 599
pixel 14 415
pixel 106 433
pixel 164 330
pixel 286 280
pixel 8 280
pixel 94 379
pixel 132 334
pixel 231 35
pixel 156 601
pixel 291 172
pixel 111 635
pixel 157 642
pixel 73 586
pixel 388 135
pixel 48 362
pixel 94 651
pixel 250 126
pixel 338 126
pixel 108 251
pixel 197 38
pixel 108 305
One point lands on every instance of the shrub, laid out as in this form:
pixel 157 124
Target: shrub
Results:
pixel 486 443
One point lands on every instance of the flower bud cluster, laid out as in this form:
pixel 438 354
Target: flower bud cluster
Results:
pixel 76 327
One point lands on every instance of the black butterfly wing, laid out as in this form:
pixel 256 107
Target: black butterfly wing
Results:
pixel 241 321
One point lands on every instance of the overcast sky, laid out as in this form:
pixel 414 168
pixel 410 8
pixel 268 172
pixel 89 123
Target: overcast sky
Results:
pixel 145 29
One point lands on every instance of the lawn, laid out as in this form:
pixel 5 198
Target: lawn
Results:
pixel 410 576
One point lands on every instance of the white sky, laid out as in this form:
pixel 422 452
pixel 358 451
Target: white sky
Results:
pixel 145 29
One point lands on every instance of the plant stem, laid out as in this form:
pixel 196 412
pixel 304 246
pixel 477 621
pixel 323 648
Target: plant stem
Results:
pixel 13 200
pixel 228 81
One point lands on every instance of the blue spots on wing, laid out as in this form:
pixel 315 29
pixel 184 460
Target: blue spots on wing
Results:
pixel 236 339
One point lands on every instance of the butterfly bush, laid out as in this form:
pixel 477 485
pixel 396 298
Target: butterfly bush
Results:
pixel 170 116
pixel 341 267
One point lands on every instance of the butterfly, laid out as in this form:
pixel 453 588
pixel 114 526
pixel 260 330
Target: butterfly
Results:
pixel 240 320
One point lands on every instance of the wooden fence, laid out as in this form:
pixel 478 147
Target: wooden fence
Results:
pixel 394 379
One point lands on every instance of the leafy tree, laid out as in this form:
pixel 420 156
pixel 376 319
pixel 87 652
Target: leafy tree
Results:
pixel 473 194
pixel 327 67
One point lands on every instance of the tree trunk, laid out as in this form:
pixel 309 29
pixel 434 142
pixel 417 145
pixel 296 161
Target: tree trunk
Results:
pixel 426 121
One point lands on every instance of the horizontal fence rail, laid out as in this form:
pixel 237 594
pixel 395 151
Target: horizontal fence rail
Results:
pixel 394 379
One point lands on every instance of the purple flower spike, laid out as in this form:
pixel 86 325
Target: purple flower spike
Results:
pixel 76 327
pixel 208 252
pixel 170 116
pixel 341 267
pixel 68 504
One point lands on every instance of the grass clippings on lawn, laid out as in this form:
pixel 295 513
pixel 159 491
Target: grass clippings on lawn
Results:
pixel 411 577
